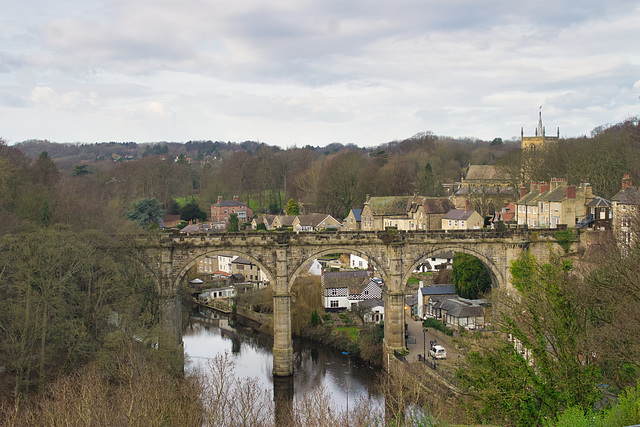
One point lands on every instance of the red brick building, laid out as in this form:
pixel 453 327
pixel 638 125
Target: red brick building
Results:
pixel 221 211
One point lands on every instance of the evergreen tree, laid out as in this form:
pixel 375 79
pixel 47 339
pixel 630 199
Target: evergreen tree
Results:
pixel 292 208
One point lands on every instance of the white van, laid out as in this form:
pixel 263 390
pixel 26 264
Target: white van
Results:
pixel 438 352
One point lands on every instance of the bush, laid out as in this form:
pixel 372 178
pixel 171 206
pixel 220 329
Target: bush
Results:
pixel 433 323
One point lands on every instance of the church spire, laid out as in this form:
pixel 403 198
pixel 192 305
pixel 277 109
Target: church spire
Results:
pixel 540 130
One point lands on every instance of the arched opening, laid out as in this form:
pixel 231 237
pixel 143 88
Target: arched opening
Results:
pixel 345 287
pixel 454 286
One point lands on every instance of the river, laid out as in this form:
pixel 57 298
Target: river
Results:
pixel 210 333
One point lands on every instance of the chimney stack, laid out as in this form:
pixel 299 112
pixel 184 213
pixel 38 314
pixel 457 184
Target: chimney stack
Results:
pixel 235 198
pixel 544 187
pixel 219 199
pixel 626 181
pixel 571 192
pixel 467 205
pixel 523 191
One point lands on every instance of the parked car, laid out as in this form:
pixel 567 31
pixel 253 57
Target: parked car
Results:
pixel 438 352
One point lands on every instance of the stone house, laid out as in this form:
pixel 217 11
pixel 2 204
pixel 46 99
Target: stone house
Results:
pixel 549 204
pixel 315 222
pixel 428 296
pixel 457 219
pixel 625 210
pixel 352 221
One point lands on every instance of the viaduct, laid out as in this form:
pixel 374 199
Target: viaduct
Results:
pixel 283 256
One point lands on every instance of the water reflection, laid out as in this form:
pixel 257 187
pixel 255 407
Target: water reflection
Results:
pixel 314 365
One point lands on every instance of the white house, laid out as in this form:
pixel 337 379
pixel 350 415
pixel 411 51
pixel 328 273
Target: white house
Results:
pixel 428 296
pixel 224 262
pixel 358 262
pixel 217 293
pixel 316 268
pixel 344 288
pixel 463 313
pixel 435 263
pixel 375 312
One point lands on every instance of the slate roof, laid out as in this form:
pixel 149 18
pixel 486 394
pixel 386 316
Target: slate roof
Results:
pixel 357 214
pixel 599 202
pixel 438 290
pixel 628 196
pixel 458 214
pixel 240 260
pixel 431 204
pixel 229 203
pixel 370 303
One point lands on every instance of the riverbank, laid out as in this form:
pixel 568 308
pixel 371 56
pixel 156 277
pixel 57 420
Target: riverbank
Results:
pixel 363 342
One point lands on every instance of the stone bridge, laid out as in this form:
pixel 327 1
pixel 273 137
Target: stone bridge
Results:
pixel 283 256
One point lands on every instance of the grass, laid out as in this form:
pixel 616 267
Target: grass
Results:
pixel 352 332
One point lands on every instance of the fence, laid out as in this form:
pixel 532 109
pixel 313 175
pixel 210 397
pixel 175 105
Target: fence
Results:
pixel 432 364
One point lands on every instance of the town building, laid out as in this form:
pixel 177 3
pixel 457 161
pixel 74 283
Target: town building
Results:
pixel 428 296
pixel 315 222
pixel 548 205
pixel 404 212
pixel 539 139
pixel 457 219
pixel 625 211
pixel 352 221
pixel 222 210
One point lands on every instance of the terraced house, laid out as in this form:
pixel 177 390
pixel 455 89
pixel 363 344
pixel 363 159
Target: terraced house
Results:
pixel 548 205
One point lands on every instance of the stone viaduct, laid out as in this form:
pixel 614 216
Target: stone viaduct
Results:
pixel 283 256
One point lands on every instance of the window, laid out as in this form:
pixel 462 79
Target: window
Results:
pixel 334 303
pixel 462 224
pixel 528 209
pixel 449 223
pixel 557 207
pixel 535 208
pixel 546 207
pixel 334 292
pixel 455 222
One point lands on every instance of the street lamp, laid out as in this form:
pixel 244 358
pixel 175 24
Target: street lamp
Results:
pixel 424 343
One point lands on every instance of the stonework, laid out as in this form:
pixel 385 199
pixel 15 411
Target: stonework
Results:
pixel 284 256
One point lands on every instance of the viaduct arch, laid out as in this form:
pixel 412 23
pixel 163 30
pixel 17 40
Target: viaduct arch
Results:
pixel 283 257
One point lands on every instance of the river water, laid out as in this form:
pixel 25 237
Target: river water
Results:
pixel 210 333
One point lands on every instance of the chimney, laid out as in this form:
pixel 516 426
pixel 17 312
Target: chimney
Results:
pixel 626 181
pixel 467 205
pixel 235 198
pixel 534 187
pixel 523 191
pixel 219 199
pixel 544 187
pixel 571 192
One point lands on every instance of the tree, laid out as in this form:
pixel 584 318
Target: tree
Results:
pixel 470 277
pixel 292 208
pixel 145 211
pixel 234 224
pixel 80 170
pixel 548 364
pixel 191 211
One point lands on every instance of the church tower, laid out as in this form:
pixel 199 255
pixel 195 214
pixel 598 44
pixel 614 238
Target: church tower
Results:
pixel 540 139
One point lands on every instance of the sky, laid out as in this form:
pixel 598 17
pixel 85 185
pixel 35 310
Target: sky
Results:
pixel 314 72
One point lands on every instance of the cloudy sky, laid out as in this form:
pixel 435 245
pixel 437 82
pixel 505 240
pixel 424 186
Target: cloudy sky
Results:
pixel 301 72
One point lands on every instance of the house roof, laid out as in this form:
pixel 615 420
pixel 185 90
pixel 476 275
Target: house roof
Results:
pixel 370 303
pixel 432 205
pixel 628 196
pixel 485 173
pixel 229 203
pixel 357 288
pixel 357 214
pixel 438 290
pixel 599 202
pixel 411 300
pixel 286 220
pixel 460 307
pixel 315 219
pixel 391 205
pixel 345 279
pixel 458 214
pixel 240 260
